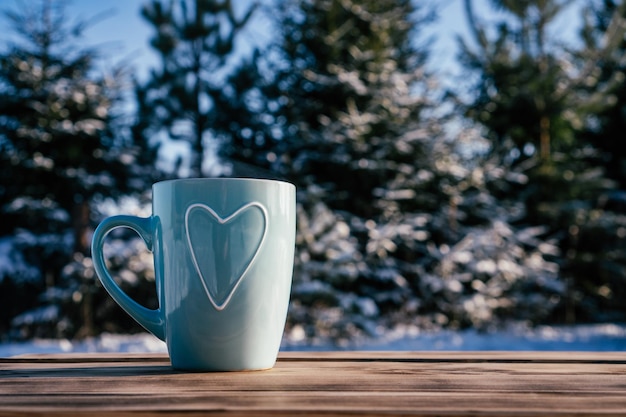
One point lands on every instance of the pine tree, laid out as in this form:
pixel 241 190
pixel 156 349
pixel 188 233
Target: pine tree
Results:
pixel 528 104
pixel 604 90
pixel 595 247
pixel 355 92
pixel 247 124
pixel 195 40
pixel 58 151
pixel 534 101
pixel 521 96
pixel 354 107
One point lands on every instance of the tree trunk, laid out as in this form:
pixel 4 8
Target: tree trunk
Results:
pixel 81 216
pixel 544 138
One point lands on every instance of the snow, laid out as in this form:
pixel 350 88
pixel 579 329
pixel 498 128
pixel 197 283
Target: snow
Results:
pixel 596 337
pixel 12 263
pixel 47 313
pixel 140 343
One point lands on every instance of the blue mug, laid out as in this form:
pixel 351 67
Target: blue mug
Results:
pixel 223 258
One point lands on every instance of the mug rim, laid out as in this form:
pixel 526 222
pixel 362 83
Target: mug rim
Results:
pixel 223 179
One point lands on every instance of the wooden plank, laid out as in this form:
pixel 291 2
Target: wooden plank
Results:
pixel 439 356
pixel 322 383
pixel 331 403
pixel 397 356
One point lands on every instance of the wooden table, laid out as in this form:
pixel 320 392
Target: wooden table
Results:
pixel 321 384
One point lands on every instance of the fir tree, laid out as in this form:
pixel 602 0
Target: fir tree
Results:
pixel 604 90
pixel 534 100
pixel 58 151
pixel 595 247
pixel 528 104
pixel 195 40
pixel 354 105
pixel 355 95
pixel 521 97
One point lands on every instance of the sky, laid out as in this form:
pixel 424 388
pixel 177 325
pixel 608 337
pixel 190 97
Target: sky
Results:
pixel 124 34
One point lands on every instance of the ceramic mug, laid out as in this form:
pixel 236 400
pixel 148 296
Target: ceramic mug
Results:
pixel 223 256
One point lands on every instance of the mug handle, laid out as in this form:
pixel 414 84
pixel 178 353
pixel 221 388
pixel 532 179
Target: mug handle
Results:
pixel 151 320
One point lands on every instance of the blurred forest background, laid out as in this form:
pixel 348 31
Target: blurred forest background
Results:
pixel 499 198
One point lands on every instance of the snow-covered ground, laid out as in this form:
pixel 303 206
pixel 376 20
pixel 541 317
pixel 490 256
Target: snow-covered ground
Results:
pixel 599 337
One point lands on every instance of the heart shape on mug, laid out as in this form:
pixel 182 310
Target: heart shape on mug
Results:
pixel 224 248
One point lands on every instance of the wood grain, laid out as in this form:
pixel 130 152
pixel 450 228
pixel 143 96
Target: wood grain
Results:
pixel 321 384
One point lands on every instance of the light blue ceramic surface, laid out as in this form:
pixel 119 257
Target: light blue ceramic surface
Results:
pixel 223 254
